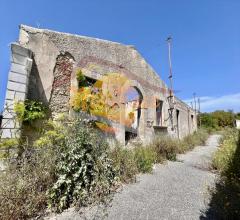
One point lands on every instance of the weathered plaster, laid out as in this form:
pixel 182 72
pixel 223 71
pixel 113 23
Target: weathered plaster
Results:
pixel 97 58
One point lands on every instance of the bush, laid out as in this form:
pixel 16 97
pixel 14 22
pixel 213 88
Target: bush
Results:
pixel 217 120
pixel 223 157
pixel 165 148
pixel 197 138
pixel 24 183
pixel 7 147
pixel 29 110
pixel 84 172
pixel 23 186
pixel 145 158
pixel 124 163
pixel 225 199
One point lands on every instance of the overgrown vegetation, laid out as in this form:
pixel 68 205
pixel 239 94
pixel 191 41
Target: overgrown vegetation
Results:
pixel 167 147
pixel 29 110
pixel 85 173
pixel 217 120
pixel 6 147
pixel 124 163
pixel 68 163
pixel 224 155
pixel 225 201
pixel 24 183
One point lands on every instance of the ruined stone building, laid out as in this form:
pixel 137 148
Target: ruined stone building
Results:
pixel 44 64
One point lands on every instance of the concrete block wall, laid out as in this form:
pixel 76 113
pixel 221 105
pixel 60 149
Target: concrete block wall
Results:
pixel 17 87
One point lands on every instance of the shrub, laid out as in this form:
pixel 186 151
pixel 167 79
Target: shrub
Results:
pixel 145 158
pixel 6 147
pixel 223 157
pixel 29 110
pixel 84 172
pixel 165 148
pixel 24 183
pixel 124 163
pixel 23 186
pixel 197 138
pixel 225 199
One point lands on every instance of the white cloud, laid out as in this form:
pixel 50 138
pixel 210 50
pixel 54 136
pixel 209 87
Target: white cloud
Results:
pixel 226 102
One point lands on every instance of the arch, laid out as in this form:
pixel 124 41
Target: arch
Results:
pixel 134 84
pixel 136 128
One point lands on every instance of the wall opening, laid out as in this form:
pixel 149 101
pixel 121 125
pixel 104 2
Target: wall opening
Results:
pixel 133 108
pixel 177 116
pixel 133 113
pixel 89 82
pixel 129 136
pixel 159 107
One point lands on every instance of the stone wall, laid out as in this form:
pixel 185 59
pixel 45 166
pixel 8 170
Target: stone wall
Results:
pixel 60 96
pixel 57 56
pixel 17 88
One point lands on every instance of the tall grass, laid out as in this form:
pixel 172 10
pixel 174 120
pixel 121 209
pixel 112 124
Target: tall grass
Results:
pixel 140 158
pixel 167 147
pixel 62 162
pixel 225 200
pixel 222 159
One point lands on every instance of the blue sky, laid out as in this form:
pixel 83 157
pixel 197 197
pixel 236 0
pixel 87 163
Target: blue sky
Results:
pixel 206 38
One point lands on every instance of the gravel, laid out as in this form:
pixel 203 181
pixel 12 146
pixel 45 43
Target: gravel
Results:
pixel 175 190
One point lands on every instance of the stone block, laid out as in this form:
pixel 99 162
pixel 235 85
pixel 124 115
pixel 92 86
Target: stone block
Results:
pixel 6 133
pixel 16 86
pixel 10 133
pixel 8 123
pixel 9 114
pixel 15 77
pixel 9 104
pixel 20 50
pixel 18 68
pixel 10 94
pixel 20 96
pixel 19 59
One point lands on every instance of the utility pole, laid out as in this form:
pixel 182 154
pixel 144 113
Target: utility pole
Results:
pixel 170 97
pixel 169 41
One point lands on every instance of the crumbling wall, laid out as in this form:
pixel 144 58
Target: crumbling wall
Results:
pixel 96 58
pixel 60 95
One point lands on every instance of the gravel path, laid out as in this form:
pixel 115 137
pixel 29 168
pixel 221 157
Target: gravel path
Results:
pixel 176 190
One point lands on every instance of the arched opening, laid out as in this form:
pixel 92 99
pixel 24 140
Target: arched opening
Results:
pixel 134 98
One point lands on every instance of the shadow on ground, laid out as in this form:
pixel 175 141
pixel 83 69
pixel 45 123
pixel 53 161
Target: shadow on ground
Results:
pixel 225 198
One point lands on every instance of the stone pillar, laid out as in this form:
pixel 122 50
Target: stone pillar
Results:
pixel 17 87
